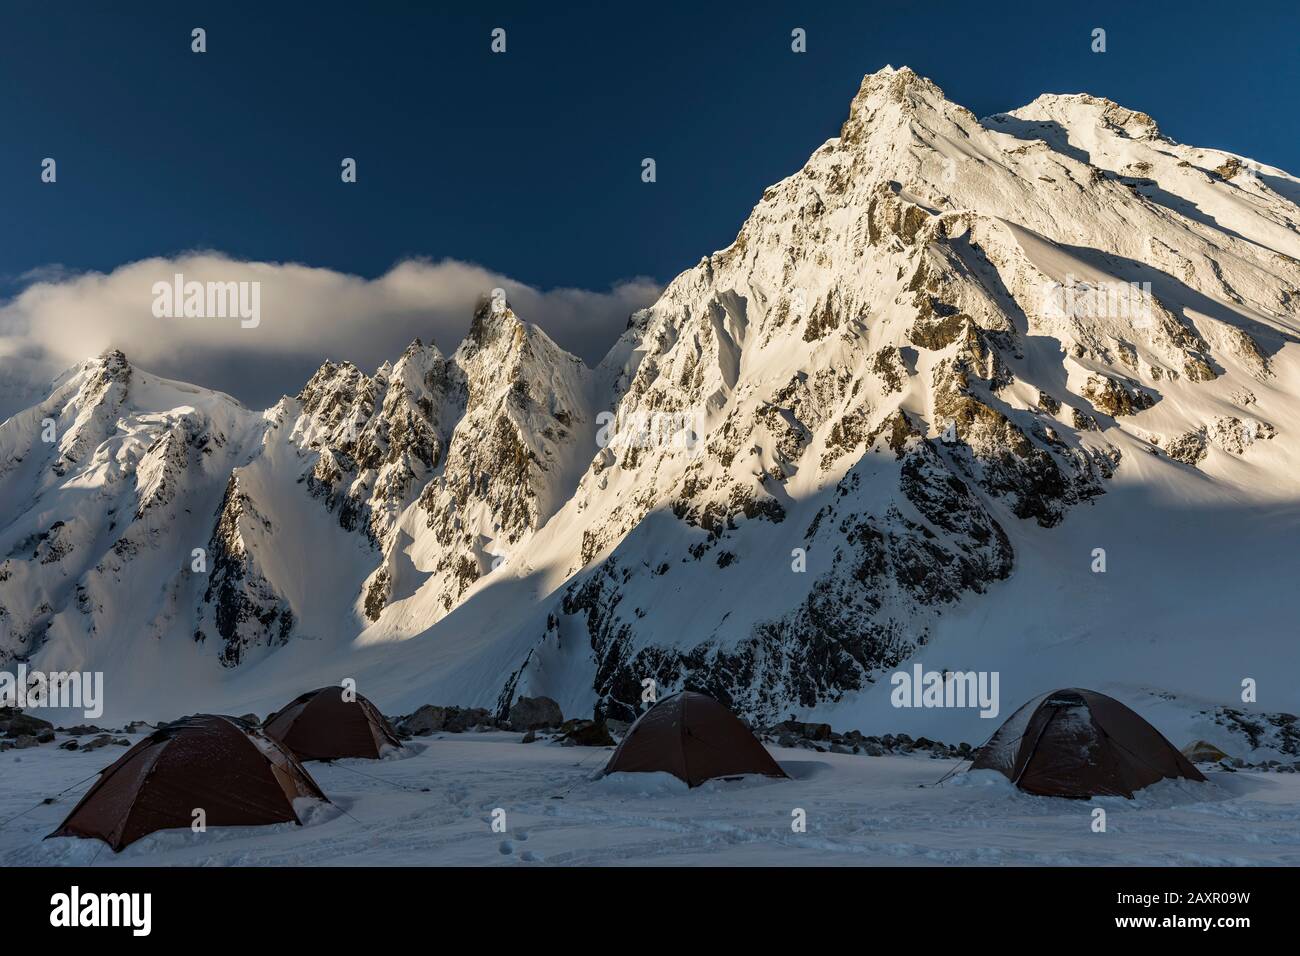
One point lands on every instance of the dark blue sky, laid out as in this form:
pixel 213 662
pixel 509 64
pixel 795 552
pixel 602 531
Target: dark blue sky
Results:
pixel 529 162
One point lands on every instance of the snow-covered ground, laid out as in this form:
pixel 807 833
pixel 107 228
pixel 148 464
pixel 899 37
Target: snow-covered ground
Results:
pixel 860 810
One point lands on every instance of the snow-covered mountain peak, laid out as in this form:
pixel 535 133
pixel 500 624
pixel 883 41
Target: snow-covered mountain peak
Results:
pixel 1007 317
pixel 111 361
pixel 1084 111
pixel 893 113
pixel 939 364
pixel 501 347
pixel 494 321
pixel 902 88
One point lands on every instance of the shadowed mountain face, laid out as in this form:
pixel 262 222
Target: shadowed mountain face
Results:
pixel 937 343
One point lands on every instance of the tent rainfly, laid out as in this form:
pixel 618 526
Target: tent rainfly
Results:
pixel 228 769
pixel 694 738
pixel 324 724
pixel 1202 751
pixel 1079 743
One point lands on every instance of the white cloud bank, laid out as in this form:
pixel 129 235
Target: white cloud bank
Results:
pixel 307 315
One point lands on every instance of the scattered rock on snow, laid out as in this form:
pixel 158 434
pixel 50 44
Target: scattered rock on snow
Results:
pixel 430 719
pixel 588 733
pixel 821 738
pixel 14 723
pixel 531 713
pixel 426 720
pixel 82 730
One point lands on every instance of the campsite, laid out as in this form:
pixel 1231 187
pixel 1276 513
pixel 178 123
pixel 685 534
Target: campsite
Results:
pixel 486 797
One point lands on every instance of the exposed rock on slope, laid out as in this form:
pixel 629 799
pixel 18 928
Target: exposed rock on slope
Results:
pixel 526 432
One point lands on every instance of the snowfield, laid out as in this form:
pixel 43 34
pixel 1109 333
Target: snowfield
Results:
pixel 860 811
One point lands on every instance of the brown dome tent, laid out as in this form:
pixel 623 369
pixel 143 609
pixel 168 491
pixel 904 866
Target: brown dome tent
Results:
pixel 1079 743
pixel 694 738
pixel 322 725
pixel 1202 751
pixel 238 776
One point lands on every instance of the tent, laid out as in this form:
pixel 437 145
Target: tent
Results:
pixel 1202 751
pixel 1079 743
pixel 323 725
pixel 227 768
pixel 694 738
